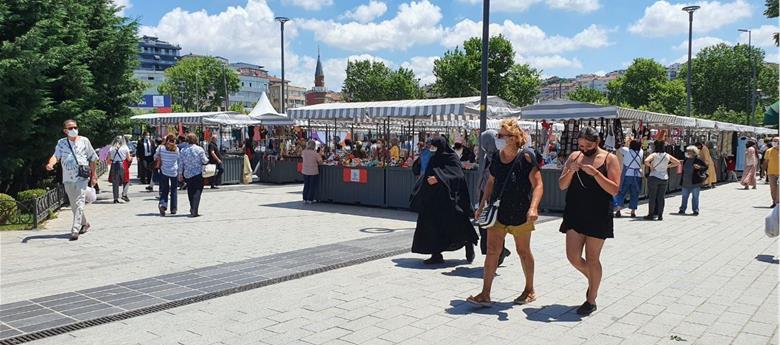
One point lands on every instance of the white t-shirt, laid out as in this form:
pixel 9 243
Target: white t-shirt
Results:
pixel 115 155
pixel 632 162
pixel 70 164
pixel 660 165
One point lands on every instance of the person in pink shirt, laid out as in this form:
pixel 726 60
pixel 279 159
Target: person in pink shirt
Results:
pixel 310 171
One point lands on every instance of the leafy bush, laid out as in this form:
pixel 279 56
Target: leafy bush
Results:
pixel 7 208
pixel 30 194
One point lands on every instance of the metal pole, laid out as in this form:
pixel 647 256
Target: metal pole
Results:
pixel 752 81
pixel 690 43
pixel 224 81
pixel 484 80
pixel 282 20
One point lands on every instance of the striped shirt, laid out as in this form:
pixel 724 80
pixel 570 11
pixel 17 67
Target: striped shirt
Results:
pixel 169 161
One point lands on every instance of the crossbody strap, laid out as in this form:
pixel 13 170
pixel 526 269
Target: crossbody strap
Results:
pixel 73 152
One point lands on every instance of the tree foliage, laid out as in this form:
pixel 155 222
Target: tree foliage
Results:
pixel 586 94
pixel 373 81
pixel 60 60
pixel 458 72
pixel 198 83
pixel 642 79
pixel 772 11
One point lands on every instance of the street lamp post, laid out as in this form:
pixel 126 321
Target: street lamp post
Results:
pixel 752 106
pixel 282 20
pixel 690 10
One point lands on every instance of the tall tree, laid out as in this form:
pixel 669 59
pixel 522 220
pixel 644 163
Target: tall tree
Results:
pixel 767 81
pixel 199 83
pixel 772 11
pixel 521 86
pixel 642 79
pixel 60 60
pixel 458 72
pixel 587 94
pixel 373 81
pixel 721 77
pixel 403 84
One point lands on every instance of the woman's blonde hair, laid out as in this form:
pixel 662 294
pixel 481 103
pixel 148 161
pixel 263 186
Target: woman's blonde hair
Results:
pixel 513 127
pixel 168 138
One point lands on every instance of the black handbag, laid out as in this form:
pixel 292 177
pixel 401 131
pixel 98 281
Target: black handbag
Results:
pixel 84 170
pixel 489 214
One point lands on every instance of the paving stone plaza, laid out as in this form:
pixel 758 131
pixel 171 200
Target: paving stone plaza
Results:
pixel 260 267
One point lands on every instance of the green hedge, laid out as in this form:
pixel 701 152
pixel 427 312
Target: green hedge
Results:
pixel 30 194
pixel 7 208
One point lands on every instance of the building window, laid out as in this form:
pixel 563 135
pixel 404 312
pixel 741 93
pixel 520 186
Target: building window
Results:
pixel 242 83
pixel 149 78
pixel 250 84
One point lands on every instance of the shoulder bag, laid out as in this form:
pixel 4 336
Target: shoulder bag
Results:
pixel 489 214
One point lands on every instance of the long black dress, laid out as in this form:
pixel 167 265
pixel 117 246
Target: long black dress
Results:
pixel 444 208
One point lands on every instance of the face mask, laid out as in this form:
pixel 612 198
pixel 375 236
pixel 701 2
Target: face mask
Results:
pixel 500 144
pixel 689 155
pixel 458 146
pixel 433 149
pixel 589 153
pixel 73 132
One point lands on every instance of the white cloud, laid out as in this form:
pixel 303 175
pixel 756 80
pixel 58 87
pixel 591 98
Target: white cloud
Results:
pixel 664 19
pixel 528 39
pixel 552 61
pixel 368 12
pixel 415 23
pixel 124 5
pixel 309 5
pixel 422 67
pixel 761 37
pixel 232 33
pixel 698 45
pixel 524 5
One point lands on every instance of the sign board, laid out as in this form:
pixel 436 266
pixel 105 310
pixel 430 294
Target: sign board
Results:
pixel 355 175
pixel 154 101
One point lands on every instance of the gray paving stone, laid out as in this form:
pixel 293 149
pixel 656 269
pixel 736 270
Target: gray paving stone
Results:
pixel 51 323
pixel 21 316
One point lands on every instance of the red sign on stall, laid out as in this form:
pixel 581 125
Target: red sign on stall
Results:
pixel 299 168
pixel 355 175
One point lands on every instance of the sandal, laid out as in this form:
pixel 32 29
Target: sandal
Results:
pixel 525 298
pixel 480 303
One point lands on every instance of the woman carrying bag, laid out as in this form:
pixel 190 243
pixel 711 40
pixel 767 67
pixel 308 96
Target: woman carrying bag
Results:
pixel 119 160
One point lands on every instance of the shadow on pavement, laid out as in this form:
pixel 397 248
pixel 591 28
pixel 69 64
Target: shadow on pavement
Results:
pixel 46 237
pixel 383 230
pixel 764 207
pixel 770 259
pixel 461 307
pixel 466 272
pixel 361 211
pixel 553 313
pixel 418 264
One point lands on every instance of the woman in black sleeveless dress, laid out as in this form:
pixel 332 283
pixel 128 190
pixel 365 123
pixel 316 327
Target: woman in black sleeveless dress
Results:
pixel 592 177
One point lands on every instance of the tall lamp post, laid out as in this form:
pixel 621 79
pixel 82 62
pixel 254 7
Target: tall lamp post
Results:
pixel 282 20
pixel 690 10
pixel 752 106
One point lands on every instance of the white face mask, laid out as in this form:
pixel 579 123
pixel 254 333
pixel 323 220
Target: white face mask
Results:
pixel 73 132
pixel 433 149
pixel 500 144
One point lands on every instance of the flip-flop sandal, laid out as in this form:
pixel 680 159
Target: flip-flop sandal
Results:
pixel 525 298
pixel 484 304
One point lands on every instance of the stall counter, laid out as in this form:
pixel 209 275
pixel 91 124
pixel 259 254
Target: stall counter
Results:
pixel 356 186
pixel 234 169
pixel 279 170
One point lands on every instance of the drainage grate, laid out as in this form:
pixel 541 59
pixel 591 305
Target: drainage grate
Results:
pixel 190 300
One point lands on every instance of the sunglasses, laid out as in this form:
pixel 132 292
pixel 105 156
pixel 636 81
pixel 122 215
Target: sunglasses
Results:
pixel 502 136
pixel 69 128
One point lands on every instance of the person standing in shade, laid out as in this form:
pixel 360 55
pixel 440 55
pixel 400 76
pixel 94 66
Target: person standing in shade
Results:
pixel 193 157
pixel 515 180
pixel 215 158
pixel 311 171
pixel 693 177
pixel 168 160
pixel 145 151
pixel 591 177
pixel 76 155
pixel 488 149
pixel 441 198
pixel 659 163
pixel 118 155
pixel 751 164
pixel 631 179
pixel 772 166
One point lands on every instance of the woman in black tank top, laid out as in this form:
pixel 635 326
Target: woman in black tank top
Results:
pixel 591 177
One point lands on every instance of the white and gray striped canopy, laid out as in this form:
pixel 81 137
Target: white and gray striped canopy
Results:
pixel 441 109
pixel 562 109
pixel 191 118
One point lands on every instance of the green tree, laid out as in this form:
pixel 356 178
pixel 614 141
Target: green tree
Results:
pixel 767 81
pixel 458 73
pixel 727 115
pixel 238 107
pixel 614 92
pixel 670 98
pixel 586 94
pixel 521 85
pixel 373 81
pixel 198 83
pixel 60 60
pixel 772 11
pixel 403 84
pixel 643 78
pixel 722 77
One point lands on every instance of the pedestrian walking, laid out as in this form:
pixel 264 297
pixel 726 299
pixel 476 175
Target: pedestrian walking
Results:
pixel 119 160
pixel 694 175
pixel 751 164
pixel 772 166
pixel 78 160
pixel 145 150
pixel 192 159
pixel 215 157
pixel 488 149
pixel 516 183
pixel 631 178
pixel 441 198
pixel 311 172
pixel 592 177
pixel 712 174
pixel 167 160
pixel 659 163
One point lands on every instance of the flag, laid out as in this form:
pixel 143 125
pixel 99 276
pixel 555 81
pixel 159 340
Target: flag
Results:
pixel 355 175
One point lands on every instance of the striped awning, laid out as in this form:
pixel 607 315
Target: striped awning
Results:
pixel 562 109
pixel 702 123
pixel 650 117
pixel 444 109
pixel 191 118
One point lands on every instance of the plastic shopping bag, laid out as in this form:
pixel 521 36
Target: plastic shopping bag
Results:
pixel 771 226
pixel 90 195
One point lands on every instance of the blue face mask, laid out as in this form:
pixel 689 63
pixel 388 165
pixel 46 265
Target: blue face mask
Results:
pixel 500 144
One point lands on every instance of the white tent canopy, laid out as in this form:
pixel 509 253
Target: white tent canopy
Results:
pixel 265 113
pixel 441 109
pixel 188 118
pixel 237 120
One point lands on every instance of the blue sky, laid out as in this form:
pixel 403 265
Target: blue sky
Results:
pixel 561 37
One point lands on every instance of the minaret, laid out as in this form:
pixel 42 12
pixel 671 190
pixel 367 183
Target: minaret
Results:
pixel 319 76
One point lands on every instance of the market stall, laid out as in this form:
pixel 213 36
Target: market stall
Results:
pixel 275 159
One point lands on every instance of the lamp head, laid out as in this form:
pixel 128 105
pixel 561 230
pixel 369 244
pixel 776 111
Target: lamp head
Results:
pixel 282 19
pixel 743 30
pixel 691 9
